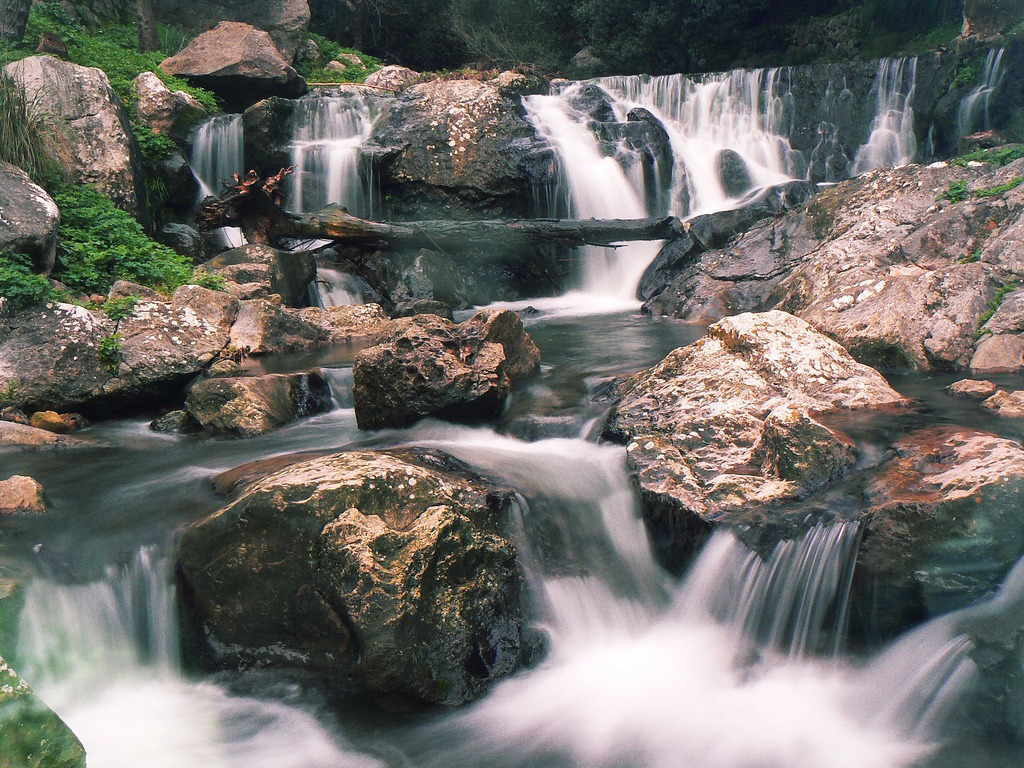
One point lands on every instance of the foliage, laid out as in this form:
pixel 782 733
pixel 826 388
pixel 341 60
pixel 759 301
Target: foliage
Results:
pixel 99 243
pixel 204 279
pixel 1000 189
pixel 154 146
pixel 19 284
pixel 10 395
pixel 22 133
pixel 997 301
pixel 109 351
pixel 112 47
pixel 965 76
pixel 998 157
pixel 314 71
pixel 120 308
pixel 958 192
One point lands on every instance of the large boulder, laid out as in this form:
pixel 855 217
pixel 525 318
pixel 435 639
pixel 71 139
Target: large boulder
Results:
pixel 733 423
pixel 28 218
pixel 455 147
pixel 91 136
pixel 392 78
pixel 942 527
pixel 428 366
pixel 64 357
pixel 250 406
pixel 237 62
pixel 899 276
pixel 172 113
pixel 30 732
pixel 285 20
pixel 264 326
pixel 390 567
pixel 265 270
pixel 21 496
pixel 986 18
pixel 24 437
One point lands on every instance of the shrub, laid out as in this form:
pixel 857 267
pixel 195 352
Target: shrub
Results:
pixel 19 284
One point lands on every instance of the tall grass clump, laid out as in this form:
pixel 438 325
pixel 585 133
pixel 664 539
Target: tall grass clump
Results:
pixel 22 133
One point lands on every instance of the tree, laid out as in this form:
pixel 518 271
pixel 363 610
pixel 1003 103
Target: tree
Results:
pixel 13 19
pixel 149 40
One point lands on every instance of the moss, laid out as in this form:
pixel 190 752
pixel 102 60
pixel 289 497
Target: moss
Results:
pixel 997 301
pixel 31 735
pixel 998 157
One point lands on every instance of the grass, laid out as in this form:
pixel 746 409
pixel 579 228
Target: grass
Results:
pixel 998 157
pixel 959 191
pixel 23 133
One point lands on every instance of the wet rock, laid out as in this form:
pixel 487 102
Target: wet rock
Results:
pixel 971 389
pixel 21 496
pixel 237 62
pixel 423 307
pixel 390 567
pixel 180 182
pixel 184 240
pixel 255 405
pixel 427 366
pixel 287 273
pixel 942 526
pixel 264 326
pixel 733 173
pixel 28 218
pixel 30 732
pixel 455 148
pixel 267 131
pixel 91 133
pixel 591 100
pixel 174 114
pixel 14 435
pixel 998 354
pixel 732 423
pixel 12 414
pixel 1007 404
pixel 58 423
pixel 175 423
pixel 392 78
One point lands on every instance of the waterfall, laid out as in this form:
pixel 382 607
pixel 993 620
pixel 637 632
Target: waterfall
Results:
pixel 892 141
pixel 327 135
pixel 105 657
pixel 217 154
pixel 974 112
pixel 336 288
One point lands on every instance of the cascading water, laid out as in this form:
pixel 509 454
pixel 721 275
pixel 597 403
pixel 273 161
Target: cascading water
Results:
pixel 328 134
pixel 217 154
pixel 974 114
pixel 892 140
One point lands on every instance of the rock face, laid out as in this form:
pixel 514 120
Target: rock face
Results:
pixel 990 17
pixel 427 366
pixel 259 270
pixel 174 114
pixel 898 276
pixel 254 405
pixel 264 326
pixel 392 78
pixel 30 732
pixel 731 424
pixel 93 137
pixel 28 218
pixel 237 62
pixel 285 20
pixel 20 497
pixel 456 148
pixel 390 567
pixel 942 526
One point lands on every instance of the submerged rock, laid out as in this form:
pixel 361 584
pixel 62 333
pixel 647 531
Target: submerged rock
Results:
pixel 731 424
pixel 254 405
pixel 427 366
pixel 390 567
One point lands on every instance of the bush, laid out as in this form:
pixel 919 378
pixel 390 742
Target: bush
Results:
pixel 19 284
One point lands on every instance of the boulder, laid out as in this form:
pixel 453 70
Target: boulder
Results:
pixel 175 423
pixel 14 435
pixel 254 405
pixel 987 18
pixel 28 218
pixel 264 326
pixel 971 389
pixel 58 423
pixel 899 277
pixel 21 496
pixel 942 527
pixel 91 136
pixel 237 62
pixel 215 307
pixel 122 289
pixel 267 134
pixel 1009 405
pixel 174 114
pixel 30 732
pixel 732 424
pixel 456 148
pixel 998 354
pixel 389 567
pixel 184 240
pixel 287 273
pixel 427 366
pixel 392 78
pixel 733 173
pixel 285 20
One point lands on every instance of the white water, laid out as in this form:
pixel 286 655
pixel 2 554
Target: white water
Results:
pixel 217 155
pixel 336 288
pixel 974 114
pixel 328 133
pixel 892 141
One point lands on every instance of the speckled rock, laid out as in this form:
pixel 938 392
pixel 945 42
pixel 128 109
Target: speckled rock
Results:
pixel 264 326
pixel 732 423
pixel 28 218
pixel 392 78
pixel 174 114
pixel 250 406
pixel 389 567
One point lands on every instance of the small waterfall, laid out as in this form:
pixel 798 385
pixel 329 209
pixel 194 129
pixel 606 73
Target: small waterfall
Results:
pixel 892 141
pixel 328 133
pixel 744 114
pixel 218 153
pixel 336 288
pixel 974 112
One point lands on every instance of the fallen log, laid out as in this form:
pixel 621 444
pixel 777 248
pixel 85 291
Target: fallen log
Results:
pixel 254 205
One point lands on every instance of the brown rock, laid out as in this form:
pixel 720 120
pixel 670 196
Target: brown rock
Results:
pixel 58 423
pixel 971 389
pixel 254 405
pixel 21 497
pixel 999 354
pixel 1007 404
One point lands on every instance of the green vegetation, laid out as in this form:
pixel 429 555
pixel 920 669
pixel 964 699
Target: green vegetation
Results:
pixel 971 258
pixel 960 190
pixel 120 308
pixel 154 146
pixel 109 351
pixel 1000 189
pixel 997 301
pixel 314 71
pixel 22 133
pixel 10 395
pixel 998 157
pixel 204 279
pixel 965 76
pixel 19 284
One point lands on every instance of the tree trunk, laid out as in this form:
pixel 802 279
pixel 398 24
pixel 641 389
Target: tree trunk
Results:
pixel 149 40
pixel 13 19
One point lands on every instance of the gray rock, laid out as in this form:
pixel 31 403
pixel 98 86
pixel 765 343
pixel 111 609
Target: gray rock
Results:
pixel 733 173
pixel 427 366
pixel 267 132
pixel 986 18
pixel 22 436
pixel 264 326
pixel 237 62
pixel 184 240
pixel 251 406
pixel 28 218
pixel 92 132
pixel 288 274
pixel 124 288
pixel 175 423
pixel 215 307
pixel 390 568
pixel 175 114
